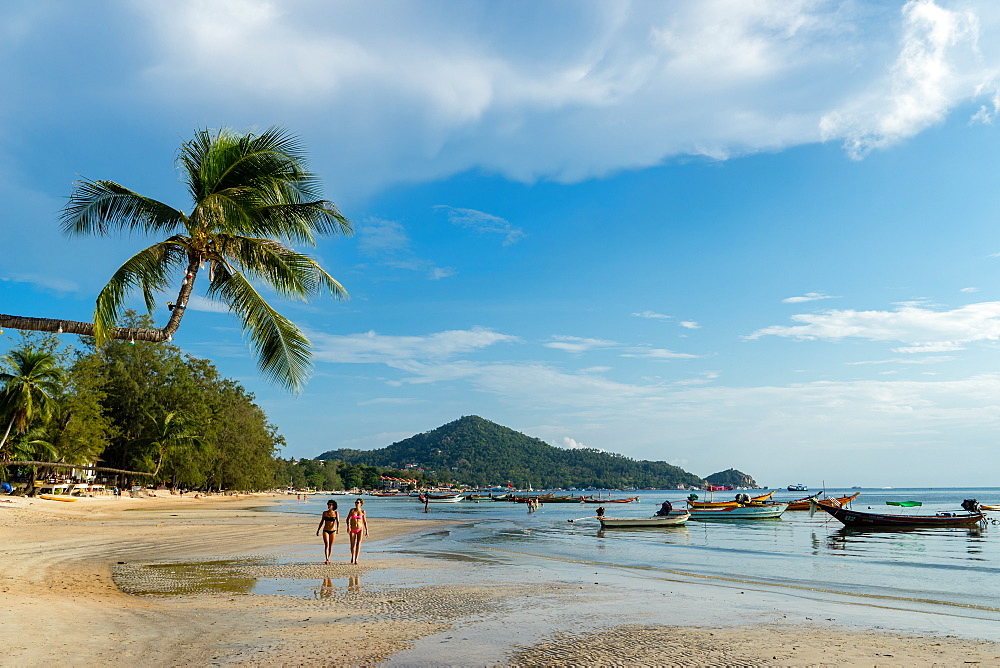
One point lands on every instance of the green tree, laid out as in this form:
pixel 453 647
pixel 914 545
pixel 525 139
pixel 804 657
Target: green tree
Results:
pixel 30 381
pixel 252 198
pixel 167 431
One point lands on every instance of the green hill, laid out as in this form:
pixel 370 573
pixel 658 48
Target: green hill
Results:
pixel 477 452
pixel 732 477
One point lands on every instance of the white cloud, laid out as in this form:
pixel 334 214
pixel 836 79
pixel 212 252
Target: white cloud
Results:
pixel 199 303
pixel 969 290
pixel 689 324
pixel 938 66
pixel 484 223
pixel 923 329
pixel 657 353
pixel 392 401
pixel 402 92
pixel 652 314
pixel 807 297
pixel 387 242
pixel 379 238
pixel 576 344
pixel 940 359
pixel 49 282
pixel 371 347
pixel 571 444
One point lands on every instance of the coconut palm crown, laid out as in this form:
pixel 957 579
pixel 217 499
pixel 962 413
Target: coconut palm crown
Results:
pixel 28 388
pixel 253 198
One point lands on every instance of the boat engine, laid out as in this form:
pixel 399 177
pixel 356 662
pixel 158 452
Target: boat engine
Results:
pixel 971 505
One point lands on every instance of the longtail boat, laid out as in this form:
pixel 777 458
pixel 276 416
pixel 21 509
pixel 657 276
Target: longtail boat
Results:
pixel 753 500
pixel 673 519
pixel 803 504
pixel 590 499
pixel 857 518
pixel 990 506
pixel 763 512
pixel 567 498
pixel 441 498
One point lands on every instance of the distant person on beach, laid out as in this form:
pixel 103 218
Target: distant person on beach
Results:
pixel 357 526
pixel 329 522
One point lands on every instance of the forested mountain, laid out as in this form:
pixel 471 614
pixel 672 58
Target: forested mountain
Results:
pixel 474 451
pixel 731 477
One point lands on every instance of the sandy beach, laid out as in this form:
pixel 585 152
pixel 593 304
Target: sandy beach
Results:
pixel 170 581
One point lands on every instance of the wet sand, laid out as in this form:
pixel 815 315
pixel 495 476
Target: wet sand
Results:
pixel 66 570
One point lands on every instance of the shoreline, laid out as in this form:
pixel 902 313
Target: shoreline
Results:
pixel 61 603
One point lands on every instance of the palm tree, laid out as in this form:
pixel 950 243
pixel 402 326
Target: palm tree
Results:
pixel 167 431
pixel 252 198
pixel 30 385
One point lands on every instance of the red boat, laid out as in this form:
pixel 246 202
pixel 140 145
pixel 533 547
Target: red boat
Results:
pixel 856 518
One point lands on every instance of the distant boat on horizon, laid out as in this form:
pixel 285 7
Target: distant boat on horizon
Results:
pixel 798 488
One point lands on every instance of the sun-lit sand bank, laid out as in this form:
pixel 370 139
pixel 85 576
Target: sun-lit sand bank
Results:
pixel 60 604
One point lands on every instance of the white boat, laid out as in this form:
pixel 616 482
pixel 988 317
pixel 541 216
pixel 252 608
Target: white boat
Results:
pixel 442 498
pixel 672 519
pixel 765 511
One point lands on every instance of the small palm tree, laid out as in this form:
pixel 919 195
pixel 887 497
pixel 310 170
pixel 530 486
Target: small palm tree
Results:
pixel 167 431
pixel 27 390
pixel 252 199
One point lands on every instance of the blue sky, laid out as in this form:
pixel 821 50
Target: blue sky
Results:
pixel 719 233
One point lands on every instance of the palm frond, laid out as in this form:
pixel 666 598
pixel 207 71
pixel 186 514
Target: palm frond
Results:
pixel 242 182
pixel 290 273
pixel 149 270
pixel 283 350
pixel 302 222
pixel 99 207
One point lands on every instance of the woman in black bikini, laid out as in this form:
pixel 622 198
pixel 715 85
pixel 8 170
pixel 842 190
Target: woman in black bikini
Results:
pixel 356 524
pixel 330 524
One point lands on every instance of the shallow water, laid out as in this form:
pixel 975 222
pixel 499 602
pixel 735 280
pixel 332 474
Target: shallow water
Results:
pixel 946 571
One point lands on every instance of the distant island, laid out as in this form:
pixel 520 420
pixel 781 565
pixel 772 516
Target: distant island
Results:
pixel 732 478
pixel 475 452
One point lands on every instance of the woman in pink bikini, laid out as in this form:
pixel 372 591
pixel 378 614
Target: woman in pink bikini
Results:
pixel 330 524
pixel 357 526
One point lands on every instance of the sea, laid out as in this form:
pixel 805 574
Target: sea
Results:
pixel 949 573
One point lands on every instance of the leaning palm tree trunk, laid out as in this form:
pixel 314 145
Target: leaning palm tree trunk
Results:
pixel 82 328
pixel 124 333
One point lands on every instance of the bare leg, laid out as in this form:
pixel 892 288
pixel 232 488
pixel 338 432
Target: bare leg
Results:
pixel 327 545
pixel 355 547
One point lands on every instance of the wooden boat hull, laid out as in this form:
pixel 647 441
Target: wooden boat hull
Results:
pixel 756 500
pixel 990 506
pixel 857 518
pixel 803 504
pixel 592 500
pixel 765 512
pixel 644 522
pixel 443 499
